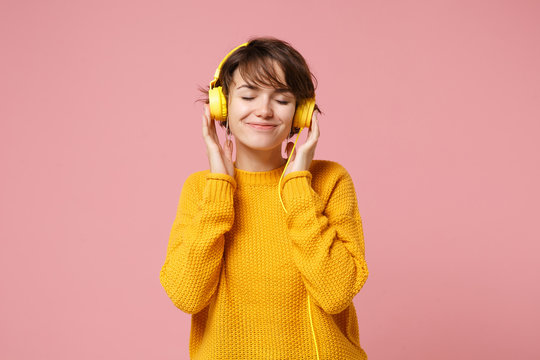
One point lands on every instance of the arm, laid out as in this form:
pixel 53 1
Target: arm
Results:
pixel 190 274
pixel 327 241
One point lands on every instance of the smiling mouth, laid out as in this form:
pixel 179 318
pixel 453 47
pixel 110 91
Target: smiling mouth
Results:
pixel 262 127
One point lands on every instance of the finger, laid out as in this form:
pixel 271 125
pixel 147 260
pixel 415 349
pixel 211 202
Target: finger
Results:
pixel 213 131
pixel 317 126
pixel 314 124
pixel 313 134
pixel 211 143
pixel 207 110
pixel 228 145
pixel 204 126
pixel 206 118
pixel 314 129
pixel 207 129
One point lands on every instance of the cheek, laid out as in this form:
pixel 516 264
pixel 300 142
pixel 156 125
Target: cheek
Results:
pixel 237 110
pixel 289 115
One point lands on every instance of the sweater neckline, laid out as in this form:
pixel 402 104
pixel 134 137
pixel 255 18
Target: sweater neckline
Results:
pixel 270 177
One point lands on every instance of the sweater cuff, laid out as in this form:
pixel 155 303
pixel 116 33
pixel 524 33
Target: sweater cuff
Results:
pixel 219 187
pixel 297 184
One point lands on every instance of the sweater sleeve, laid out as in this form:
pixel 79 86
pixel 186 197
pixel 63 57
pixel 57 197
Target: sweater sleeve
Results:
pixel 192 267
pixel 327 241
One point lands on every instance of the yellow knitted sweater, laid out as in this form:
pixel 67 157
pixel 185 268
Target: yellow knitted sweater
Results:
pixel 244 267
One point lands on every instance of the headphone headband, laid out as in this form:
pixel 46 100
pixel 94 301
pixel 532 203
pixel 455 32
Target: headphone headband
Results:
pixel 216 75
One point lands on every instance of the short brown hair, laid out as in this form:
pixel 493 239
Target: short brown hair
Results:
pixel 255 64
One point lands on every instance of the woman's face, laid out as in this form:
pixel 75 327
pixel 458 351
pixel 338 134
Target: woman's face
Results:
pixel 260 118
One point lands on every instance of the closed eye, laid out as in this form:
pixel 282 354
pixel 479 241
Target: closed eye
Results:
pixel 279 101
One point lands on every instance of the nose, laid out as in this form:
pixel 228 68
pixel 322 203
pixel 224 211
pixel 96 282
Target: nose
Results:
pixel 264 108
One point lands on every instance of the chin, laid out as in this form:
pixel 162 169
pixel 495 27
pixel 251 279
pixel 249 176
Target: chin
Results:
pixel 262 147
pixel 261 144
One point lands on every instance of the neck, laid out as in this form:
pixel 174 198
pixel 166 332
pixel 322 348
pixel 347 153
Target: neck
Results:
pixel 258 160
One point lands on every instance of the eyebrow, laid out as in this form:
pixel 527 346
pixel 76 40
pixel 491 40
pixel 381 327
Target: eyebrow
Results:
pixel 278 90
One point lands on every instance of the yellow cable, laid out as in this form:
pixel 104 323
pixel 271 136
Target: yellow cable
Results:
pixel 312 330
pixel 287 164
pixel 279 192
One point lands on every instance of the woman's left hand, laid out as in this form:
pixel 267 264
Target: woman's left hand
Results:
pixel 301 159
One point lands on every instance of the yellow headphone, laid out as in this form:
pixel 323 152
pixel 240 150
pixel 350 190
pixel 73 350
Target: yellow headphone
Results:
pixel 302 119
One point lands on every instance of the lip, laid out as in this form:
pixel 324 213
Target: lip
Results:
pixel 260 127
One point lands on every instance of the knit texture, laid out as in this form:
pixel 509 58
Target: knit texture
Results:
pixel 243 267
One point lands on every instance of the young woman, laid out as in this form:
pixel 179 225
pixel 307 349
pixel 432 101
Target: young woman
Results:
pixel 266 254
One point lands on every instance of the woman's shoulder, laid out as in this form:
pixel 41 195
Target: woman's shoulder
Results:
pixel 327 169
pixel 196 179
pixel 327 174
pixel 330 177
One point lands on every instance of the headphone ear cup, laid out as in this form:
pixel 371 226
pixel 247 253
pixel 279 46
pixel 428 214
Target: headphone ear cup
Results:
pixel 218 104
pixel 303 114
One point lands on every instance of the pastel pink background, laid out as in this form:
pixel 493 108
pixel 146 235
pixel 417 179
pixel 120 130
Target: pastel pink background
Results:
pixel 432 106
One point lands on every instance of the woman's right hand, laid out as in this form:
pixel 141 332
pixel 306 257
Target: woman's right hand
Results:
pixel 220 158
